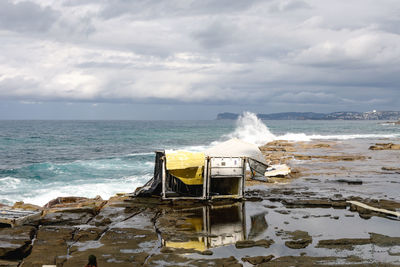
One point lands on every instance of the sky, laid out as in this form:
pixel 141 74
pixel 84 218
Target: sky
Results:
pixel 187 59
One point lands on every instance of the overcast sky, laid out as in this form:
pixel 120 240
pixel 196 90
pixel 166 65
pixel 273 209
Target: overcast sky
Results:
pixel 119 59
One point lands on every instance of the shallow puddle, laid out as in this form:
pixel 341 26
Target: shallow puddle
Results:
pixel 219 228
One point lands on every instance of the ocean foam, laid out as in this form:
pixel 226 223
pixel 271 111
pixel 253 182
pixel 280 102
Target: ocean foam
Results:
pixel 189 148
pixel 140 154
pixel 89 178
pixel 195 148
pixel 104 188
pixel 7 183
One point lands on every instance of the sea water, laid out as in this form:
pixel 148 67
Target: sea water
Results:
pixel 42 160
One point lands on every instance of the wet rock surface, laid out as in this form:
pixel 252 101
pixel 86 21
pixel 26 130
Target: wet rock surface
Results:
pixel 330 158
pixel 303 261
pixel 253 243
pixel 350 243
pixel 50 246
pixel 391 169
pixel 7 263
pixel 303 219
pixel 298 239
pixel 258 259
pixel 26 206
pixel 15 243
pixel 343 243
pixel 385 146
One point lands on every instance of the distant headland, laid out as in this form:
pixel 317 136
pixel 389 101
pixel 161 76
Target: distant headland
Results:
pixel 342 115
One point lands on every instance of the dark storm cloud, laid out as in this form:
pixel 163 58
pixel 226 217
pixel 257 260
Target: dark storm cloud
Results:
pixel 26 16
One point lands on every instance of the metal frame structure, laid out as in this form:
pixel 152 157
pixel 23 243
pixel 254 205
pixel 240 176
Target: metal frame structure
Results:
pixel 210 175
pixel 224 173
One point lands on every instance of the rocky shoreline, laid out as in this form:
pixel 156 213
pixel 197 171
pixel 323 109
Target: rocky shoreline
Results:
pixel 302 219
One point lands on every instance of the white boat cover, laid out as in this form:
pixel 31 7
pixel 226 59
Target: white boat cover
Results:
pixel 236 148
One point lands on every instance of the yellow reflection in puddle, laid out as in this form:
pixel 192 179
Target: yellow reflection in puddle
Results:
pixel 222 225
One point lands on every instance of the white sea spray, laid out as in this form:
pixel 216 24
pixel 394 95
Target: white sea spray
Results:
pixel 251 129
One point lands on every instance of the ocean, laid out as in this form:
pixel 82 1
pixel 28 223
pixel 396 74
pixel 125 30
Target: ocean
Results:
pixel 42 160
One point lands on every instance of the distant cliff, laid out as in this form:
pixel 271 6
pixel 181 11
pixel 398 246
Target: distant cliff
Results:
pixel 342 115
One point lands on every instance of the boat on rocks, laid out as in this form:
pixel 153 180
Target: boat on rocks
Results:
pixel 216 173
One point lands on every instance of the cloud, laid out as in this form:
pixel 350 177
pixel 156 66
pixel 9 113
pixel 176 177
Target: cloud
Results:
pixel 215 35
pixel 26 16
pixel 288 5
pixel 17 87
pixel 238 53
pixel 150 9
pixel 307 97
pixel 30 102
pixel 360 50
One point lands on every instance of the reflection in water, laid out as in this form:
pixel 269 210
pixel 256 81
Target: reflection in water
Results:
pixel 258 225
pixel 196 222
pixel 226 225
pixel 214 226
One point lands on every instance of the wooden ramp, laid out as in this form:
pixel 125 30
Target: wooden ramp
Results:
pixel 15 217
pixel 384 211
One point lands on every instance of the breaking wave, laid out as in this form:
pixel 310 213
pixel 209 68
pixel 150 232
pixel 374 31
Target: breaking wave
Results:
pixel 251 129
